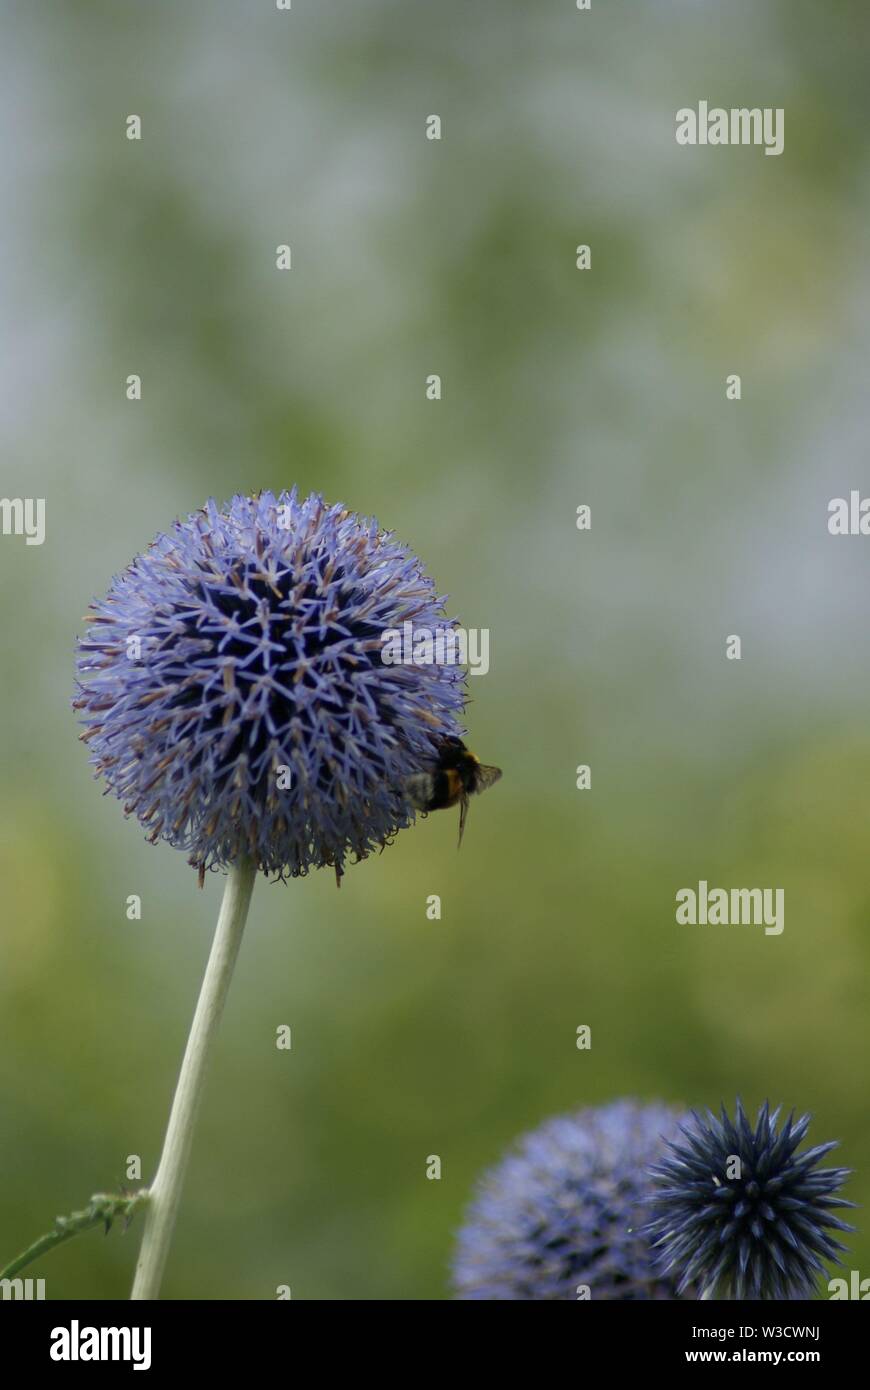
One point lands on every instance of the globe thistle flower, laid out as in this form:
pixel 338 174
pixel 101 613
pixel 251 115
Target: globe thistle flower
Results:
pixel 738 1211
pixel 565 1209
pixel 236 697
pixel 233 691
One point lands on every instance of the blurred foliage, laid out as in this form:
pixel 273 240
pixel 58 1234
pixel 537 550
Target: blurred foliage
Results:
pixel 412 1037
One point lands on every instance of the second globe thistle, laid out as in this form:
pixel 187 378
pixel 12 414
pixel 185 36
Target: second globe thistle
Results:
pixel 740 1212
pixel 564 1211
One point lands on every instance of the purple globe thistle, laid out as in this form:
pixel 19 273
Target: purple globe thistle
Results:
pixel 740 1213
pixel 565 1209
pixel 233 691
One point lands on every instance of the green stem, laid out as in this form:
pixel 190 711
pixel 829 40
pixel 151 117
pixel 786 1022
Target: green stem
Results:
pixel 33 1252
pixel 165 1191
pixel 102 1210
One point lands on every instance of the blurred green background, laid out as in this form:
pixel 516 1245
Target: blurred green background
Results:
pixel 561 387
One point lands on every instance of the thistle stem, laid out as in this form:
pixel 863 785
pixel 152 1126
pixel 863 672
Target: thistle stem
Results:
pixel 164 1193
pixel 102 1210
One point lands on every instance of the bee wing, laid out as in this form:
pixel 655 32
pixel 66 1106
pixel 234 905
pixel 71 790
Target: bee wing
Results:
pixel 418 789
pixel 485 777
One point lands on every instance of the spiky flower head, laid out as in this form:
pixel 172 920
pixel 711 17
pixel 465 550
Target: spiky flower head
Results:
pixel 233 690
pixel 565 1209
pixel 739 1212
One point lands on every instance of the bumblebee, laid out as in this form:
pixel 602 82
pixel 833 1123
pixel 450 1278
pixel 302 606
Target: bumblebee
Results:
pixel 456 776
